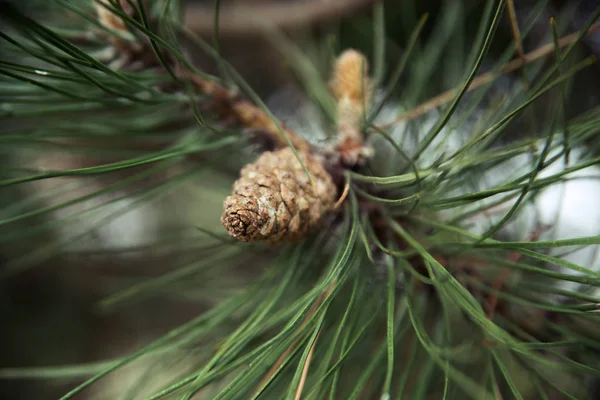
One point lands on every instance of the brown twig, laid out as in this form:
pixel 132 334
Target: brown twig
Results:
pixel 305 370
pixel 231 105
pixel 228 103
pixel 283 356
pixel 343 196
pixel 516 33
pixel 492 300
pixel 487 77
pixel 514 27
pixel 238 19
pixel 514 256
pixel 497 392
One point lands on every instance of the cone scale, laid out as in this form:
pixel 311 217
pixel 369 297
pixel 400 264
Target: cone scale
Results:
pixel 274 200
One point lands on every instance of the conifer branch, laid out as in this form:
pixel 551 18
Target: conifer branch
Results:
pixel 229 104
pixel 460 289
pixel 488 77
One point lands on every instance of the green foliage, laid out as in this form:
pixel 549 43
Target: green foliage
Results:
pixel 350 312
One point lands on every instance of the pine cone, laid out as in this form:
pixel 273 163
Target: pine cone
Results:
pixel 274 199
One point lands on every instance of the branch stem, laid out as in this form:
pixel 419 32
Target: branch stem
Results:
pixel 487 77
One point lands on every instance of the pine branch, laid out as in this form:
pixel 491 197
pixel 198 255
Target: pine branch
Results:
pixel 489 77
pixel 421 275
pixel 230 105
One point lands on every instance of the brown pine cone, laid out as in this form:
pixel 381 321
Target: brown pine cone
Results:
pixel 274 199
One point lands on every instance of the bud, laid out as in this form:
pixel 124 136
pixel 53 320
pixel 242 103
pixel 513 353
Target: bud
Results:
pixel 275 200
pixel 351 86
pixel 350 78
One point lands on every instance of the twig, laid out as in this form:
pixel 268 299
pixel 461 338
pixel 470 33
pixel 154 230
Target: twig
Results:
pixel 228 103
pixel 514 27
pixel 516 33
pixel 283 356
pixel 514 256
pixel 305 370
pixel 343 196
pixel 231 105
pixel 497 392
pixel 487 77
pixel 237 19
pixel 492 300
pixel 275 366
